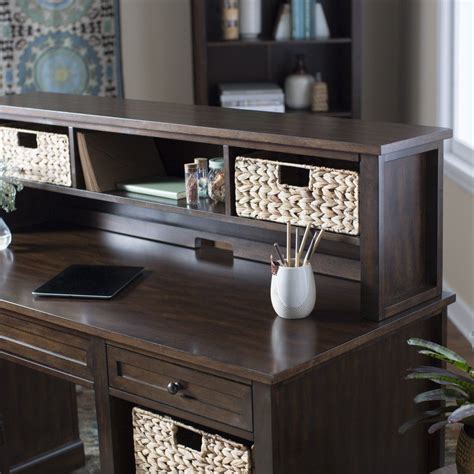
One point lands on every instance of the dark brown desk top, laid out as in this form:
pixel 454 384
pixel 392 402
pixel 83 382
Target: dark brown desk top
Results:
pixel 198 311
pixel 223 125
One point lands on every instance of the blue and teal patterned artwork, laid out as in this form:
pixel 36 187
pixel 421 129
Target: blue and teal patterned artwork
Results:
pixel 64 46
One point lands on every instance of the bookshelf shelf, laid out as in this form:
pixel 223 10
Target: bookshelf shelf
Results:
pixel 277 43
pixel 338 58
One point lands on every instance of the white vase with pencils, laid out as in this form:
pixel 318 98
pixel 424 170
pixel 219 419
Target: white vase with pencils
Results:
pixel 293 290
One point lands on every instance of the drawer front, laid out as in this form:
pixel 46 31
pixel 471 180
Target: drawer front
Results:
pixel 204 394
pixel 44 345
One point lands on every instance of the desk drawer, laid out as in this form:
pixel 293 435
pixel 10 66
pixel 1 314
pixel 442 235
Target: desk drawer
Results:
pixel 43 345
pixel 204 394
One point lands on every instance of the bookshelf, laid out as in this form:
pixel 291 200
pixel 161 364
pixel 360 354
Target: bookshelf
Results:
pixel 338 58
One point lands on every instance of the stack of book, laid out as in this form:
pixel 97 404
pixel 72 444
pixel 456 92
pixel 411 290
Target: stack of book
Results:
pixel 308 20
pixel 263 96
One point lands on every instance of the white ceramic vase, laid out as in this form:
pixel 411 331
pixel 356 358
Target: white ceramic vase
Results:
pixel 293 292
pixel 250 18
pixel 299 86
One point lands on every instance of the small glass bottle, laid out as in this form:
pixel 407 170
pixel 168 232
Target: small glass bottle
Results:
pixel 216 186
pixel 202 170
pixel 320 95
pixel 191 182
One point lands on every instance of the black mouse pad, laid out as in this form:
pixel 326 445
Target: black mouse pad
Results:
pixel 89 281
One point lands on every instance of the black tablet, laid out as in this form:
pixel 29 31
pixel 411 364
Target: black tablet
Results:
pixel 89 281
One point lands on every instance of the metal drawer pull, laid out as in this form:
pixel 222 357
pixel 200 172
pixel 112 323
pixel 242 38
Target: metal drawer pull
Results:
pixel 174 388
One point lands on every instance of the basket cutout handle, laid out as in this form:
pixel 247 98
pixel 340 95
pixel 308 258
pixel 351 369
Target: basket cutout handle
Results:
pixel 294 176
pixel 189 438
pixel 27 140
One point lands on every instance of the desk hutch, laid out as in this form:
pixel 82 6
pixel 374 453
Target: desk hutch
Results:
pixel 324 394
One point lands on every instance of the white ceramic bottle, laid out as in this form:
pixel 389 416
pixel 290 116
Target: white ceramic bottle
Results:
pixel 299 86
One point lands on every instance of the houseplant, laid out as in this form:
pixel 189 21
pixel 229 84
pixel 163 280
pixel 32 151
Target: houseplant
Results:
pixel 456 397
pixel 8 190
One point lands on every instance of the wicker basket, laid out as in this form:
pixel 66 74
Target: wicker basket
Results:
pixel 329 201
pixel 157 449
pixel 46 159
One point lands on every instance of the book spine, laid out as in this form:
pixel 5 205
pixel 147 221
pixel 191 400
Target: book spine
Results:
pixel 315 19
pixel 297 15
pixel 312 13
pixel 307 18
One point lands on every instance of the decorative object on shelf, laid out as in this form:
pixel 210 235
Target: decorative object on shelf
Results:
pixel 250 19
pixel 299 86
pixel 160 448
pixel 321 27
pixel 456 397
pixel 203 176
pixel 282 29
pixel 216 180
pixel 191 181
pixel 325 197
pixel 31 155
pixel 293 290
pixel 320 102
pixel 261 96
pixel 67 46
pixel 230 19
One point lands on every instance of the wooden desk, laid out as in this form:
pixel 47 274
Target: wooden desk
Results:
pixel 305 386
pixel 322 395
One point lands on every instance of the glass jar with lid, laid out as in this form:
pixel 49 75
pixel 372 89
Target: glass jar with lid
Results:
pixel 191 182
pixel 203 176
pixel 216 180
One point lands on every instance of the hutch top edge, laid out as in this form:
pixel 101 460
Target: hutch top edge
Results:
pixel 297 130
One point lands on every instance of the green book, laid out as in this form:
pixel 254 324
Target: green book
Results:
pixel 169 188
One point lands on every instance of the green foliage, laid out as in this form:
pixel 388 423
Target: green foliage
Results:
pixel 456 393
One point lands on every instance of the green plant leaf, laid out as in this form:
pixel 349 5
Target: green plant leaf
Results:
pixel 463 412
pixel 443 353
pixel 448 394
pixel 434 355
pixel 443 380
pixel 437 426
pixel 430 416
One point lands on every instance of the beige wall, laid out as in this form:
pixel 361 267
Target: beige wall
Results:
pixel 401 60
pixel 381 60
pixel 459 241
pixel 156 50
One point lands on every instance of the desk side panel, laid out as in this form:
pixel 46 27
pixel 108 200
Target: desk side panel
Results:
pixel 344 416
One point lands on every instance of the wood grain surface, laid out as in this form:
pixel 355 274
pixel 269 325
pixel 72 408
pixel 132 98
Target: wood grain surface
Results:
pixel 218 125
pixel 203 311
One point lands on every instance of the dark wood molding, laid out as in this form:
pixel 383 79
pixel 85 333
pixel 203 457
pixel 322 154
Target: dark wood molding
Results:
pixel 134 116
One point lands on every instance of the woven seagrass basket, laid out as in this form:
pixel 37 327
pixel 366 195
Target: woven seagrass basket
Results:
pixel 158 451
pixel 44 158
pixel 330 200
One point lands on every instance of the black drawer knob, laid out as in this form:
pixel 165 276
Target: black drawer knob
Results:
pixel 174 387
